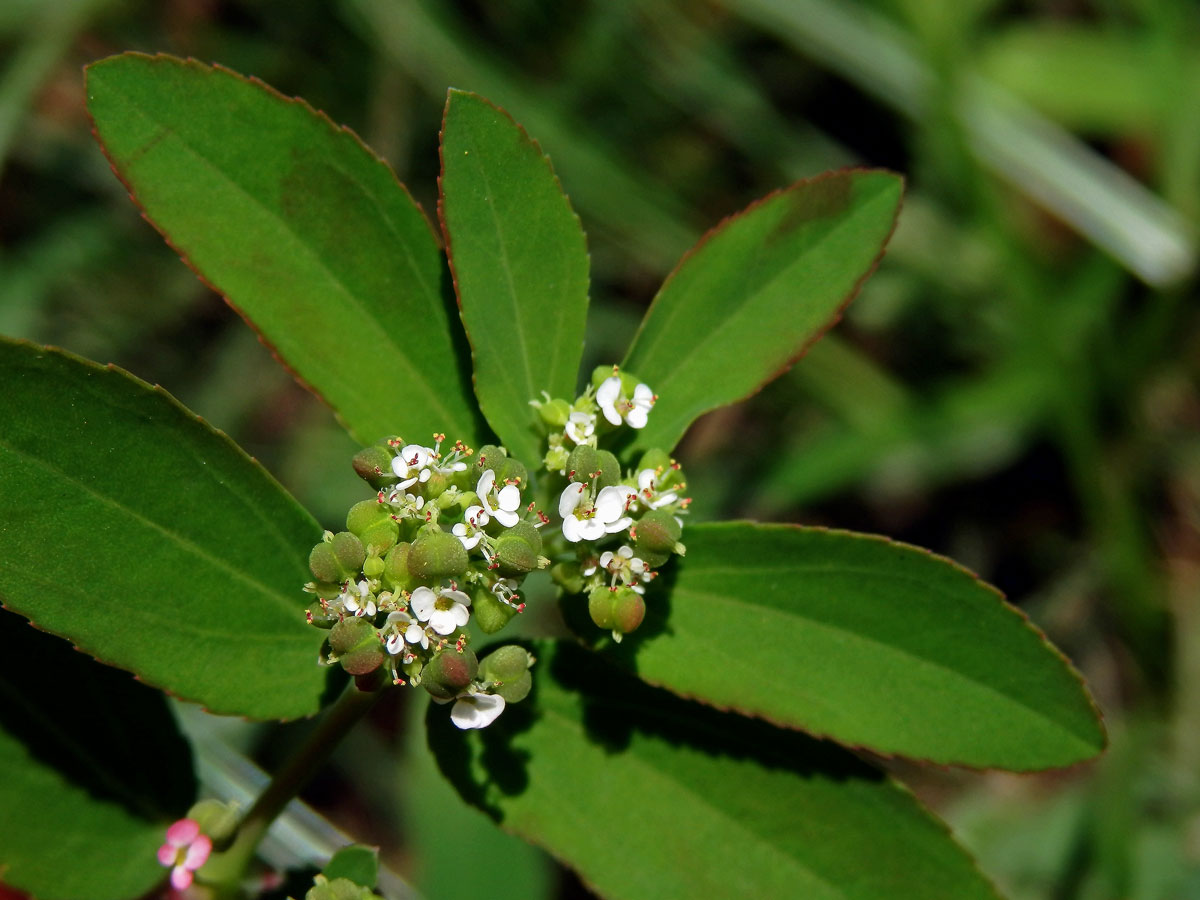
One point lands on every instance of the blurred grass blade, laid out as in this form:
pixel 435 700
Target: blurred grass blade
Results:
pixel 150 540
pixel 520 265
pixel 421 37
pixel 303 229
pixel 51 27
pixel 747 300
pixel 94 770
pixel 872 643
pixel 1039 158
pixel 650 797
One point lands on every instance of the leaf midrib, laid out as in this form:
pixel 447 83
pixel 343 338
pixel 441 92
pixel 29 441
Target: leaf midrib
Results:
pixel 187 545
pixel 1010 700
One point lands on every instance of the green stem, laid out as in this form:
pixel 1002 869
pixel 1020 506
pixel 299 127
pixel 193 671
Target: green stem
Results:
pixel 225 871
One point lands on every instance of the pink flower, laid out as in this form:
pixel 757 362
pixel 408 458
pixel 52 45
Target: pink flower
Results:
pixel 186 850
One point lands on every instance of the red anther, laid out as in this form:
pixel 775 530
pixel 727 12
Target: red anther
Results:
pixel 514 480
pixel 571 474
pixel 493 565
pixel 395 442
pixel 654 398
pixel 428 516
pixel 633 532
pixel 438 437
pixel 482 460
pixel 520 607
pixel 308 616
pixel 616 369
pixel 530 507
pixel 398 680
pixel 381 496
pixel 458 645
pixel 541 515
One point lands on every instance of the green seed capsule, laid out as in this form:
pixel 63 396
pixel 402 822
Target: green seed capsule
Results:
pixel 449 673
pixel 436 555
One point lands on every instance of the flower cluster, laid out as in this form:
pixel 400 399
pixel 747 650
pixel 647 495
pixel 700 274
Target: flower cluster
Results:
pixel 444 541
pixel 619 524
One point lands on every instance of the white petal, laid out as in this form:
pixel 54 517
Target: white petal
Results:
pixel 478 515
pixel 507 519
pixel 400 467
pixel 415 634
pixel 605 559
pixel 395 644
pixel 637 417
pixel 572 529
pixel 423 602
pixel 486 480
pixel 591 529
pixel 569 500
pixel 646 479
pixel 606 396
pixel 620 525
pixel 469 543
pixel 626 551
pixel 350 602
pixel 456 596
pixel 416 455
pixel 399 617
pixel 610 502
pixel 476 710
pixel 643 396
pixel 509 497
pixel 664 500
pixel 404 485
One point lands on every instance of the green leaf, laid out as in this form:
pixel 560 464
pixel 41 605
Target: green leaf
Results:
pixel 94 770
pixel 863 640
pixel 649 797
pixel 150 540
pixel 303 229
pixel 520 266
pixel 356 863
pixel 748 299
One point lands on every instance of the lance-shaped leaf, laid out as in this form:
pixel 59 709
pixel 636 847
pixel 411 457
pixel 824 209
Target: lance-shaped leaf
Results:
pixel 520 266
pixel 649 797
pixel 745 302
pixel 94 770
pixel 150 540
pixel 305 231
pixel 863 640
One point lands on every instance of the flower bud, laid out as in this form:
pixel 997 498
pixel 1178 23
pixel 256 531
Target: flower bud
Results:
pixel 349 551
pixel 373 524
pixel 449 673
pixel 588 463
pixel 506 468
pixel 488 611
pixel 555 412
pixel 555 459
pixel 216 819
pixel 657 532
pixel 395 568
pixel 620 611
pixel 324 565
pixel 374 466
pixel 600 607
pixel 356 644
pixel 567 576
pixel 505 663
pixel 435 555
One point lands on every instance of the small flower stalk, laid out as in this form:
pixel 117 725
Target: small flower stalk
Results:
pixel 440 552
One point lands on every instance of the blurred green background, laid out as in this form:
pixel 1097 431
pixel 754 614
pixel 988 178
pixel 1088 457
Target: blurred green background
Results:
pixel 1016 386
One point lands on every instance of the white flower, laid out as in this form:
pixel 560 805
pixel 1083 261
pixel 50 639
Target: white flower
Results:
pixel 357 599
pixel 648 490
pixel 476 710
pixel 470 532
pixel 587 521
pixel 580 427
pixel 501 505
pixel 412 465
pixel 405 630
pixel 505 590
pixel 444 611
pixel 617 407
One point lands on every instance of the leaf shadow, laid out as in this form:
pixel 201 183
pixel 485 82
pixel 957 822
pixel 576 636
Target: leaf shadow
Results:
pixel 95 726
